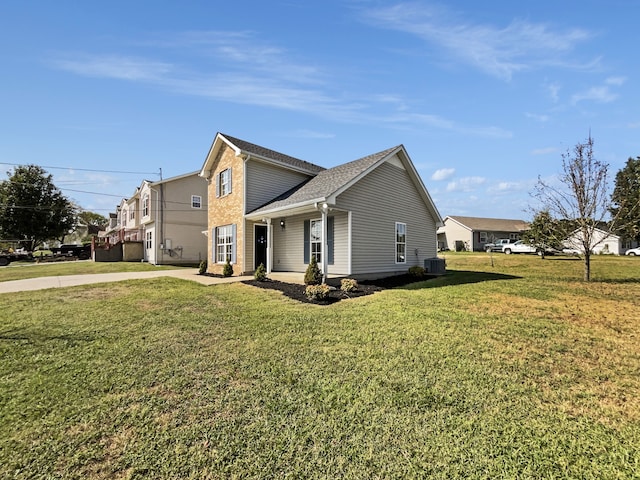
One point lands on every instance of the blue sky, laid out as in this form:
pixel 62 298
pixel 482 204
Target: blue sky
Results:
pixel 485 96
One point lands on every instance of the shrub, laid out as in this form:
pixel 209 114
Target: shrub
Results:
pixel 317 292
pixel 227 270
pixel 416 271
pixel 312 276
pixel 261 273
pixel 202 269
pixel 348 285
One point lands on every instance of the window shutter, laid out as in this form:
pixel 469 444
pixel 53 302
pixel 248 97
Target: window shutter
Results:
pixel 217 185
pixel 307 240
pixel 214 254
pixel 230 182
pixel 233 243
pixel 330 223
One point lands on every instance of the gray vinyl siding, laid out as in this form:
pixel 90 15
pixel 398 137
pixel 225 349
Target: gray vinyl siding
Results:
pixel 383 197
pixel 288 244
pixel 265 182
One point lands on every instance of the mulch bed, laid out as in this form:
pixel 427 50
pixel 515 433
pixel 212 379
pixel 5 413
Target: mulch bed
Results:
pixel 366 287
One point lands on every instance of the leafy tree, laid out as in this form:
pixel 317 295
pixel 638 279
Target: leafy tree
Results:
pixel 92 218
pixel 32 209
pixel 625 209
pixel 581 198
pixel 545 233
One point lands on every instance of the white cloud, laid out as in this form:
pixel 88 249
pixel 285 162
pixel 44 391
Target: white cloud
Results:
pixel 600 94
pixel 544 151
pixel 617 81
pixel 537 116
pixel 496 50
pixel 443 174
pixel 114 66
pixel 466 184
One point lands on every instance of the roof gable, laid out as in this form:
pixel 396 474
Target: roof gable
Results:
pixel 247 149
pixel 489 224
pixel 330 183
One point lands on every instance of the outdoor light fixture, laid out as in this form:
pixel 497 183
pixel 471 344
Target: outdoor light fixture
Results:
pixel 282 224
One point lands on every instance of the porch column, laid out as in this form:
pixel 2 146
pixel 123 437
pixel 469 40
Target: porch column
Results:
pixel 325 237
pixel 269 247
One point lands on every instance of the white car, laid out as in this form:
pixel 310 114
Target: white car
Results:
pixel 519 247
pixel 633 252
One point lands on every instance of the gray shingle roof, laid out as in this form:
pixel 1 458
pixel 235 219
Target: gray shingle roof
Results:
pixel 272 154
pixel 491 224
pixel 326 183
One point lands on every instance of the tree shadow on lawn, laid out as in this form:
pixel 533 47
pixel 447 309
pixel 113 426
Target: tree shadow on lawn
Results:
pixel 368 287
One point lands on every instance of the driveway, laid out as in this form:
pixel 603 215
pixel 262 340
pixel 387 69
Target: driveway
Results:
pixel 42 283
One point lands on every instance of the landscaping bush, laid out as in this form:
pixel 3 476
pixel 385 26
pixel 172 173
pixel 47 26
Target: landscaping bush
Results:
pixel 317 292
pixel 227 270
pixel 312 276
pixel 348 285
pixel 417 271
pixel 202 269
pixel 260 274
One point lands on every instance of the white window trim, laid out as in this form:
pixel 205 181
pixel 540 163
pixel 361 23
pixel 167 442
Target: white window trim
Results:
pixel 225 182
pixel 312 242
pixel 146 201
pixel 485 236
pixel 228 254
pixel 396 243
pixel 196 199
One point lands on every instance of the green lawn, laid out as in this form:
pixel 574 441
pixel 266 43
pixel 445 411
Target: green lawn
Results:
pixel 516 370
pixel 22 270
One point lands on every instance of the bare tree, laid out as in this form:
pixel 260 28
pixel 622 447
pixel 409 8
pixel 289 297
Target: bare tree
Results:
pixel 581 199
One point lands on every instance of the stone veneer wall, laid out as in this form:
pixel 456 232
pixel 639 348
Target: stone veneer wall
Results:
pixel 227 210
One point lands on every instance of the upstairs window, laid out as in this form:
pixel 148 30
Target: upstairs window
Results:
pixel 196 201
pixel 145 205
pixel 223 183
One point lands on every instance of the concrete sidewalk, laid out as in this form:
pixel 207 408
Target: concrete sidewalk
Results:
pixel 41 283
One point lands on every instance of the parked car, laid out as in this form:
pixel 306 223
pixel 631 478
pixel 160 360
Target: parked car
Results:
pixel 498 245
pixel 633 252
pixel 519 247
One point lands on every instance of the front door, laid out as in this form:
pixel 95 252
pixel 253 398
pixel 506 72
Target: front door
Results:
pixel 260 255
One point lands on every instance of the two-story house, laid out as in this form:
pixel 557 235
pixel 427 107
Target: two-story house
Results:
pixel 369 217
pixel 161 223
pixel 173 216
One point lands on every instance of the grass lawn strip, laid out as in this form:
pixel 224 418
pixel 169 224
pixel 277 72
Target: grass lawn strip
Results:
pixel 485 373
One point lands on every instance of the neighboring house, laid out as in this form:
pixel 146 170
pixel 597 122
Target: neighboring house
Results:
pixel 370 217
pixel 473 233
pixel 603 242
pixel 162 223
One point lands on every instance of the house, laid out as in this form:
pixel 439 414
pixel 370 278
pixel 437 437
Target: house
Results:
pixel 602 242
pixel 473 233
pixel 366 218
pixel 161 223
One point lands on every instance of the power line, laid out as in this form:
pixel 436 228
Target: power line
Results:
pixel 88 169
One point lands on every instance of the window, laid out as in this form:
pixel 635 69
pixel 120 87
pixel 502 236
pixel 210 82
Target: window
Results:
pixel 224 244
pixel 513 236
pixel 145 205
pixel 223 183
pixel 401 242
pixel 132 214
pixel 148 240
pixel 196 201
pixel 484 238
pixel 315 238
pixel 124 218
